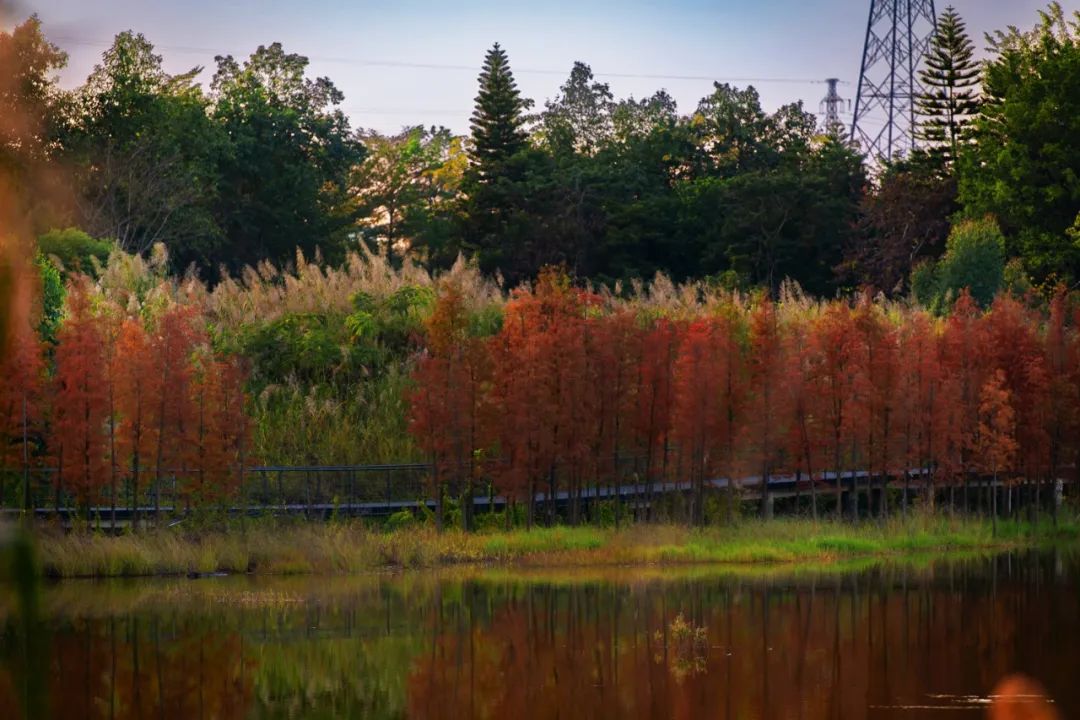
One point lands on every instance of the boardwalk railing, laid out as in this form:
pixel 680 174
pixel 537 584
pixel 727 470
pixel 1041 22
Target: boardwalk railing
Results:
pixel 321 491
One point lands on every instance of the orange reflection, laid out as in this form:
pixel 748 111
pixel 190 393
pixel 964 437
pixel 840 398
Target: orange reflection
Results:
pixel 1018 697
pixel 141 669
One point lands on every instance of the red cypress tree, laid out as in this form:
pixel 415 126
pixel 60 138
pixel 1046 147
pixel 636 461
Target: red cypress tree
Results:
pixel 81 402
pixel 768 412
pixel 965 365
pixel 173 340
pixel 1063 394
pixel 877 378
pixel 610 346
pixel 110 319
pixel 927 402
pixel 708 392
pixel 22 376
pixel 833 376
pixel 448 401
pixel 138 400
pixel 654 397
pixel 1017 350
pixel 219 432
pixel 803 437
pixel 207 457
pixel 995 433
pixel 538 363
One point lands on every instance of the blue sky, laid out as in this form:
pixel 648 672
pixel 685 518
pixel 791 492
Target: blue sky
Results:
pixel 722 38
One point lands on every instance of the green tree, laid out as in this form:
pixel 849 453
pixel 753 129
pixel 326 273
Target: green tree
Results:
pixel 74 250
pixel 771 199
pixel 52 299
pixel 730 129
pixel 579 119
pixel 285 178
pixel 638 119
pixel 1022 163
pixel 950 78
pixel 497 216
pixel 146 154
pixel 404 188
pixel 498 120
pixel 650 152
pixel 974 259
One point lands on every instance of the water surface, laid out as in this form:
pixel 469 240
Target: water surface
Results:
pixel 893 641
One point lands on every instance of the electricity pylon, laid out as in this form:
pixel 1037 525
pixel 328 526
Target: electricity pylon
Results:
pixel 897 35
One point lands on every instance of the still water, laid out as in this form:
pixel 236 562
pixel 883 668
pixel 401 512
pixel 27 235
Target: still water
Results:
pixel 892 641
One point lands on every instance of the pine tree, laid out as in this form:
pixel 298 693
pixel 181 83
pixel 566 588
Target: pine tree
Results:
pixel 497 121
pixel 950 78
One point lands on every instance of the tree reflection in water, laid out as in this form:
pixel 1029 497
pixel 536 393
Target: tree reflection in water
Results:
pixel 883 642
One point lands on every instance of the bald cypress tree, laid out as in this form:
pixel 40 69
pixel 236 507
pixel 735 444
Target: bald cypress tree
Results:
pixel 497 121
pixel 950 80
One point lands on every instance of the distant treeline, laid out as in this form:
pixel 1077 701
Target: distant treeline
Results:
pixel 264 161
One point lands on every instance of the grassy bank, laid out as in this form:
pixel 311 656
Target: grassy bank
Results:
pixel 352 547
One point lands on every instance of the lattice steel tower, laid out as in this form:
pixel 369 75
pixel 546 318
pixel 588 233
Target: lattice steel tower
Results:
pixel 831 107
pixel 897 36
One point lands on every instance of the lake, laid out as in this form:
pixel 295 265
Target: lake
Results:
pixel 887 641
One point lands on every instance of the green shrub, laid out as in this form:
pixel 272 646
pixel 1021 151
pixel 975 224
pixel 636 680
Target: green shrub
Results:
pixel 401 519
pixel 75 250
pixel 974 259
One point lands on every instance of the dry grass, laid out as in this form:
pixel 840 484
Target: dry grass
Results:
pixel 267 292
pixel 352 547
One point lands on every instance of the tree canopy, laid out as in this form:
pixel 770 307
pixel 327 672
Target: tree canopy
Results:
pixel 263 162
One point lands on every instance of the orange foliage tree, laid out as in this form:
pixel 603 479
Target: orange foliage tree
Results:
pixel 138 394
pixel 172 342
pixel 21 402
pixel 768 412
pixel 446 404
pixel 833 376
pixel 995 434
pixel 654 398
pixel 81 401
pixel 716 388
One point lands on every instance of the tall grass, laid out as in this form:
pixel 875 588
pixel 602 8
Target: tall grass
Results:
pixel 296 424
pixel 267 292
pixel 353 547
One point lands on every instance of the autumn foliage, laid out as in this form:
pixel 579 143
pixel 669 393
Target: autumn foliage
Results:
pixel 130 403
pixel 580 393
pixel 572 398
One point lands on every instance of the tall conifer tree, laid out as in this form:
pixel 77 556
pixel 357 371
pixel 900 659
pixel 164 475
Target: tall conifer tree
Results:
pixel 497 121
pixel 950 80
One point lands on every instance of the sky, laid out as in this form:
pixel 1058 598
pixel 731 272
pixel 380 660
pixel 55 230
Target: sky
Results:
pixel 686 41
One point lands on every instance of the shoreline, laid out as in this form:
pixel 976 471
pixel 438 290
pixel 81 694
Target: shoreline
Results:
pixel 349 548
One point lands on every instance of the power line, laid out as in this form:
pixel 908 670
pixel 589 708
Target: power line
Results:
pixel 362 62
pixel 404 111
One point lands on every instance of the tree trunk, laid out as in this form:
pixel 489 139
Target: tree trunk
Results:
pixel 27 503
pixel 798 492
pixel 993 506
pixel 837 480
pixel 551 497
pixel 530 506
